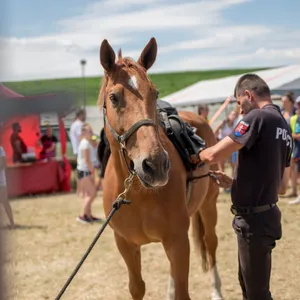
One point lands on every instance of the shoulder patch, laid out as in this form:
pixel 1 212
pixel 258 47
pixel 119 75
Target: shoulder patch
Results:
pixel 241 128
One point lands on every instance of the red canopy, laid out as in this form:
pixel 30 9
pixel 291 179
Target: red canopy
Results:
pixel 6 92
pixel 30 125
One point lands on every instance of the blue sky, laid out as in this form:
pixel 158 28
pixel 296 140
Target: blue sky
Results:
pixel 46 39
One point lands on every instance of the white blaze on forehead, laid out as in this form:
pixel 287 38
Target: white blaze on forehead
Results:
pixel 133 82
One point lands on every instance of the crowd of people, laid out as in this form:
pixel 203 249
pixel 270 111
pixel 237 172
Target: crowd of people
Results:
pixel 89 172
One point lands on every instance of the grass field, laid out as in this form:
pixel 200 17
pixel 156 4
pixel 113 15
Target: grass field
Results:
pixel 48 243
pixel 167 83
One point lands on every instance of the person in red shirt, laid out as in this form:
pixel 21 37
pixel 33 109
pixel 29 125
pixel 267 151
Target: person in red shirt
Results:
pixel 17 143
pixel 48 141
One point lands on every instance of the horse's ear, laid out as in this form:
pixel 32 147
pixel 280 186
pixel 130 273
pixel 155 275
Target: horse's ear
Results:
pixel 107 57
pixel 148 55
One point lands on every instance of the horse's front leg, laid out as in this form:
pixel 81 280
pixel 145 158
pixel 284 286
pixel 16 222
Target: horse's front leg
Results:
pixel 132 256
pixel 177 248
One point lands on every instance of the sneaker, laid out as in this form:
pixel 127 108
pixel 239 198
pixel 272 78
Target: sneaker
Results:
pixel 295 201
pixel 98 220
pixel 84 220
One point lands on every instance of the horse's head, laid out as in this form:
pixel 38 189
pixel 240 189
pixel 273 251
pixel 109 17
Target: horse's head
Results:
pixel 129 101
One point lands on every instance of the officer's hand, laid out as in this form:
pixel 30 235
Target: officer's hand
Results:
pixel 195 159
pixel 221 179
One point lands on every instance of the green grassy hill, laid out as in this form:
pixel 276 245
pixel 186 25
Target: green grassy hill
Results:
pixel 166 83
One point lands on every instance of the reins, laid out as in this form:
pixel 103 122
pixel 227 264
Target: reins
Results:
pixel 121 199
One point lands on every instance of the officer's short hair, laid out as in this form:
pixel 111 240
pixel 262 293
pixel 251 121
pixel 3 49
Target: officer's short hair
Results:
pixel 253 83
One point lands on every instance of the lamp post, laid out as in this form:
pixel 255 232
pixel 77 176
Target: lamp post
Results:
pixel 83 63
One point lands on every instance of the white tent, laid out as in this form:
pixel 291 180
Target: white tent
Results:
pixel 217 90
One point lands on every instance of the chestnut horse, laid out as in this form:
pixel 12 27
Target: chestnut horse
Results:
pixel 160 210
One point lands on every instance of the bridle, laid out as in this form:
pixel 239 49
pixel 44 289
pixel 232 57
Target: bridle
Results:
pixel 122 139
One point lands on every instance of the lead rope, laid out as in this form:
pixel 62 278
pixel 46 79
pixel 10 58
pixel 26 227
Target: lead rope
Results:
pixel 116 205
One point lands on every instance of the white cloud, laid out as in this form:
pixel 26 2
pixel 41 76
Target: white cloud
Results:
pixel 222 37
pixel 270 54
pixel 181 29
pixel 159 16
pixel 118 4
pixel 262 57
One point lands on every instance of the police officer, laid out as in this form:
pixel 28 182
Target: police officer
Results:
pixel 264 142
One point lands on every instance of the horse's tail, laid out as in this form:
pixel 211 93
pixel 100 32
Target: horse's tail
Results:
pixel 198 236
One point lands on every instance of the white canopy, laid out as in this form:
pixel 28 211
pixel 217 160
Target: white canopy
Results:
pixel 217 90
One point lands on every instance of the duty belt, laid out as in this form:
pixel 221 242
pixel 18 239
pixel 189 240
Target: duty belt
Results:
pixel 247 210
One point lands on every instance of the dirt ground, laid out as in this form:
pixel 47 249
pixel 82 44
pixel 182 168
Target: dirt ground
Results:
pixel 48 243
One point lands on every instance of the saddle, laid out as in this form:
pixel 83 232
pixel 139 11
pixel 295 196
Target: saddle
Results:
pixel 182 135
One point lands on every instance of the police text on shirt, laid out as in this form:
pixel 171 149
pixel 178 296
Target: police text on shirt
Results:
pixel 283 134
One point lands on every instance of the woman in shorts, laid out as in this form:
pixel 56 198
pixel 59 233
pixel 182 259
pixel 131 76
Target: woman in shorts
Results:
pixel 86 187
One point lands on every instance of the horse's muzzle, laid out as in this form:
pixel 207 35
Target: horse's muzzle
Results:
pixel 153 171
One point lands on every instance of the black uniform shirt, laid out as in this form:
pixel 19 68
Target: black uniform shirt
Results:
pixel 267 150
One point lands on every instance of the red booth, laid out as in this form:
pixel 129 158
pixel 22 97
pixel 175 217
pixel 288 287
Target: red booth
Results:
pixel 39 176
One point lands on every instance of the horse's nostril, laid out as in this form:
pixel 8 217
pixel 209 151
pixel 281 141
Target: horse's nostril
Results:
pixel 148 166
pixel 167 165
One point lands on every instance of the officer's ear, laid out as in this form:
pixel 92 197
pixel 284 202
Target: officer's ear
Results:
pixel 249 95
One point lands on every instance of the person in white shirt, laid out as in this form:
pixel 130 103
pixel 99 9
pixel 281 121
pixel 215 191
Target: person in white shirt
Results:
pixel 3 188
pixel 75 129
pixel 85 175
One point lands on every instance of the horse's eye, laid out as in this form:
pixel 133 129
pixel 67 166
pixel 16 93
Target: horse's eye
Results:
pixel 113 99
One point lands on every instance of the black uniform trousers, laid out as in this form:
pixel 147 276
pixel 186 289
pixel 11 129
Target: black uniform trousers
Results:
pixel 256 237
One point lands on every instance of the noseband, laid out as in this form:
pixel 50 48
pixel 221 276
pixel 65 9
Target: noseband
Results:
pixel 122 139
